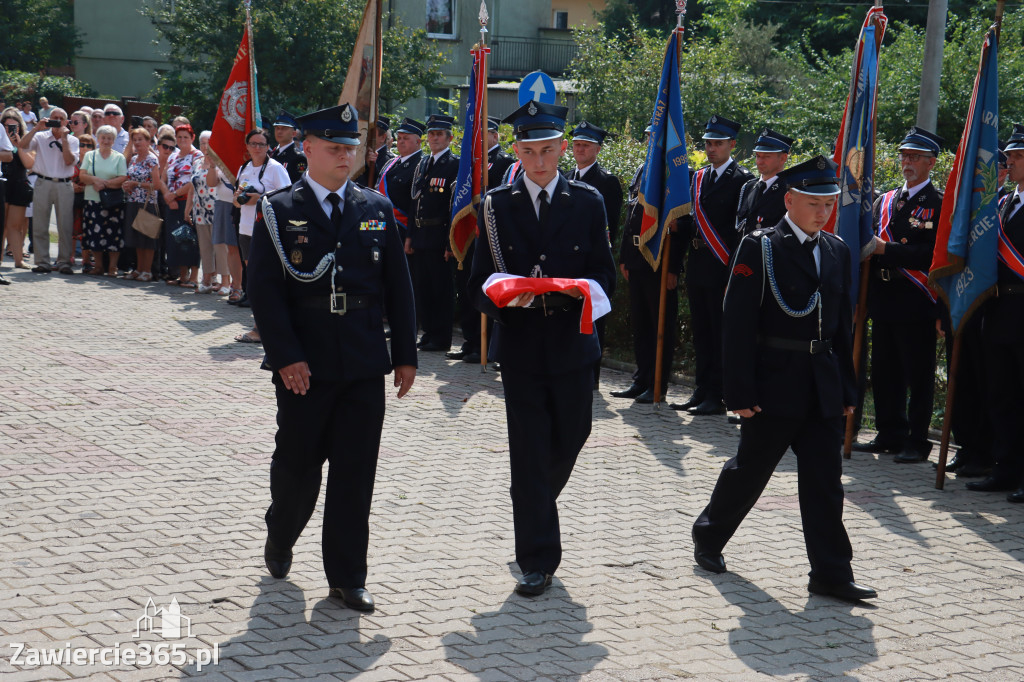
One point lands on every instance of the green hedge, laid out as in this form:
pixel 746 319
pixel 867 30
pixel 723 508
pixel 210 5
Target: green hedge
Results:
pixel 18 86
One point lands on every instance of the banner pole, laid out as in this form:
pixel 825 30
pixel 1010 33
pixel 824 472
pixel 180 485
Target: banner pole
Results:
pixel 947 416
pixel 484 179
pixel 371 125
pixel 252 66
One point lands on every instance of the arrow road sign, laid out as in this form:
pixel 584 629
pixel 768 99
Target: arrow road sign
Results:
pixel 537 87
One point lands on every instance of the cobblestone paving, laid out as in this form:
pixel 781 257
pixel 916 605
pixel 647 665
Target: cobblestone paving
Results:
pixel 135 438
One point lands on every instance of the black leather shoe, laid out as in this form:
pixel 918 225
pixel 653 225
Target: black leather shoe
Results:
pixel 455 354
pixel 708 407
pixel 850 591
pixel 533 583
pixel 1017 496
pixel 877 447
pixel 646 398
pixel 496 366
pixel 430 347
pixel 633 391
pixel 910 456
pixel 472 357
pixel 972 470
pixel 706 559
pixel 957 462
pixel 992 484
pixel 358 598
pixel 278 562
pixel 422 342
pixel 694 401
pixel 243 302
pixel 735 419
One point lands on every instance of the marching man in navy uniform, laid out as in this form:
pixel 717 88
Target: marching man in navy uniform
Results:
pixel 787 332
pixel 380 156
pixel 712 236
pixel 903 310
pixel 287 152
pixel 543 225
pixel 432 209
pixel 762 202
pixel 395 179
pixel 327 263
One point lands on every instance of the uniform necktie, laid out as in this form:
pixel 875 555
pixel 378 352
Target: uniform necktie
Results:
pixel 809 245
pixel 430 165
pixel 1010 206
pixel 544 206
pixel 904 198
pixel 759 188
pixel 335 211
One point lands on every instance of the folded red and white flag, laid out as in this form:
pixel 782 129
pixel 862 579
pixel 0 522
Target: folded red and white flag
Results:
pixel 503 288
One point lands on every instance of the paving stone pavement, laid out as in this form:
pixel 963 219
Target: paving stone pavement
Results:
pixel 135 438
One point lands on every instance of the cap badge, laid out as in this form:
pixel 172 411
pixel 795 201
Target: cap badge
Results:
pixel 583 125
pixel 821 164
pixel 532 111
pixel 714 119
pixel 346 114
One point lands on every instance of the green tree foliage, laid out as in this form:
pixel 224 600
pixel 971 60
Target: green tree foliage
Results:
pixel 302 49
pixel 37 34
pixel 17 86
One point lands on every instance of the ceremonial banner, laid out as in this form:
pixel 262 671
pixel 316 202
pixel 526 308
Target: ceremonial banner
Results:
pixel 855 150
pixel 665 185
pixel 468 189
pixel 237 113
pixel 967 242
pixel 363 81
pixel 503 288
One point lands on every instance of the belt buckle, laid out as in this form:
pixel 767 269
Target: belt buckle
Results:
pixel 636 240
pixel 334 303
pixel 885 274
pixel 817 346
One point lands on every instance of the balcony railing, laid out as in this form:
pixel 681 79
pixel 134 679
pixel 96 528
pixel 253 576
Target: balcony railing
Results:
pixel 514 57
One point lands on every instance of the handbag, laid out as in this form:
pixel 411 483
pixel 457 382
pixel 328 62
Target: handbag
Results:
pixel 109 198
pixel 185 236
pixel 148 223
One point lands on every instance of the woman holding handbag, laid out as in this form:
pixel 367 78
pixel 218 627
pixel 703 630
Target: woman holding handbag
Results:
pixel 140 188
pixel 182 252
pixel 103 171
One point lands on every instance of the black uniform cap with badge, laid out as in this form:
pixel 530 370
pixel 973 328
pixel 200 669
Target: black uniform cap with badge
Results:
pixel 772 142
pixel 1016 141
pixel 338 124
pixel 412 127
pixel 493 122
pixel 588 132
pixel 536 121
pixel 721 128
pixel 285 120
pixel 383 124
pixel 815 176
pixel 921 140
pixel 440 122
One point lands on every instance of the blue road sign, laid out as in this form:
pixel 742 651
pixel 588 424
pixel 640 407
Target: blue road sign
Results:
pixel 537 87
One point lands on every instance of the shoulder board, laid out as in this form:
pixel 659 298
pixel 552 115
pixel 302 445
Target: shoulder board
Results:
pixel 371 190
pixel 500 188
pixel 583 185
pixel 277 191
pixel 760 232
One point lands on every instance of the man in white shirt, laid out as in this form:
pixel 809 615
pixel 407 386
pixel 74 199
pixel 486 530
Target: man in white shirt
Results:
pixel 113 116
pixel 56 155
pixel 28 114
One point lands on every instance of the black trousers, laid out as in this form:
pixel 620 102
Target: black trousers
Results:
pixel 706 322
pixel 1006 401
pixel 469 316
pixel 644 297
pixel 970 403
pixel 340 423
pixel 902 360
pixel 435 296
pixel 549 420
pixel 817 443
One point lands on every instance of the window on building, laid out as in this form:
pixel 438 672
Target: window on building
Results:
pixel 560 20
pixel 441 15
pixel 437 102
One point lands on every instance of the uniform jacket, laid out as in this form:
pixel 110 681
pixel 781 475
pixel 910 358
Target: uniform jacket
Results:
pixel 432 201
pixel 499 161
pixel 1004 320
pixel 369 262
pixel 573 244
pixel 719 201
pixel 787 382
pixel 293 161
pixel 398 187
pixel 383 156
pixel 911 247
pixel 760 209
pixel 629 251
pixel 611 191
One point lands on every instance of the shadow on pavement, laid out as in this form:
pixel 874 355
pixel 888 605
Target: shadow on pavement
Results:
pixel 329 643
pixel 543 637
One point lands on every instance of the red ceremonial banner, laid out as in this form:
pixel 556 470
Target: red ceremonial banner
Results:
pixel 234 114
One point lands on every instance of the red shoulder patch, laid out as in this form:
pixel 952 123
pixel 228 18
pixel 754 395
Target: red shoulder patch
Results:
pixel 742 270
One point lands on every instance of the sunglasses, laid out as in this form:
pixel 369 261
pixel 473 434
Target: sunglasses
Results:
pixel 88 146
pixel 111 113
pixel 168 147
pixel 77 123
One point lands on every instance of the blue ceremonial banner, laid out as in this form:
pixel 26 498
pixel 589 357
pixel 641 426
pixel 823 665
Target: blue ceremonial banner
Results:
pixel 665 184
pixel 468 190
pixel 855 149
pixel 967 243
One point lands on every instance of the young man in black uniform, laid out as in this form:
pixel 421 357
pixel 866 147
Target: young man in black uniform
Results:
pixel 432 210
pixel 787 330
pixel 543 225
pixel 1002 331
pixel 644 300
pixel 762 202
pixel 711 234
pixel 902 309
pixel 287 152
pixel 327 264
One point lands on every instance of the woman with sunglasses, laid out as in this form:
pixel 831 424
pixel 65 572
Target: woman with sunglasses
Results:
pixel 80 123
pixel 140 188
pixel 177 183
pixel 101 169
pixel 19 191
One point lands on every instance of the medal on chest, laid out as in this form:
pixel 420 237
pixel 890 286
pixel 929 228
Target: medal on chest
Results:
pixel 296 257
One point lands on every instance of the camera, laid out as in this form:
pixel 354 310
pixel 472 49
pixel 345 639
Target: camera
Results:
pixel 243 198
pixel 51 123
pixel 136 121
pixel 12 130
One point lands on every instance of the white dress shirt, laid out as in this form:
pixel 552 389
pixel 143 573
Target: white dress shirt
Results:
pixel 534 190
pixel 803 237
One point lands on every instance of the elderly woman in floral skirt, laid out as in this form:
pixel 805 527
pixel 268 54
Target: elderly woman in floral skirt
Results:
pixel 103 168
